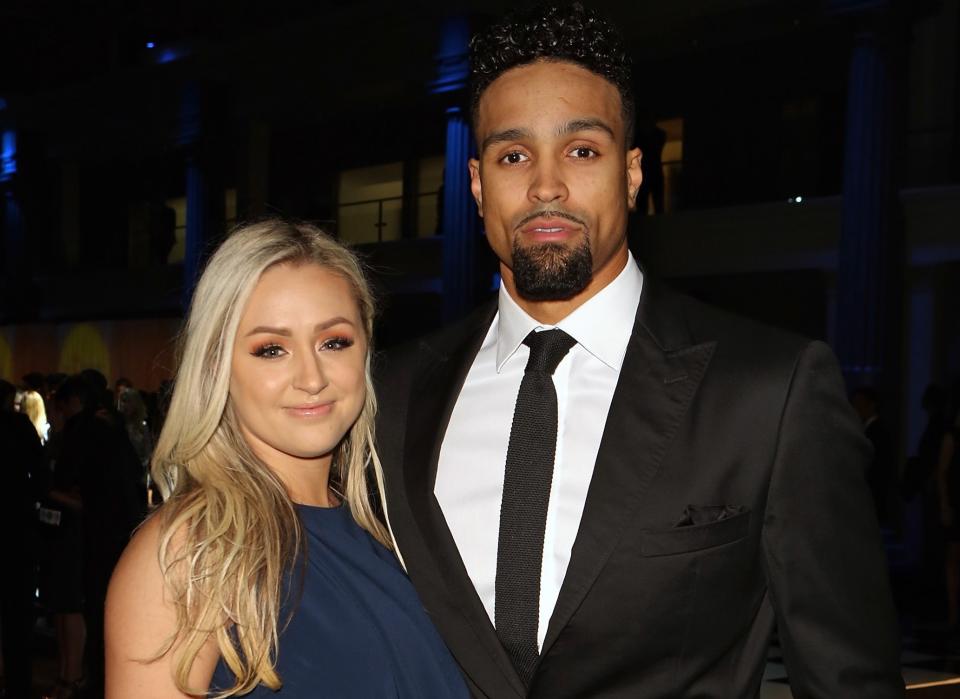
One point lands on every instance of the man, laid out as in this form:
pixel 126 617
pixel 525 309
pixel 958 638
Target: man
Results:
pixel 627 508
pixel 97 458
pixel 882 468
pixel 21 460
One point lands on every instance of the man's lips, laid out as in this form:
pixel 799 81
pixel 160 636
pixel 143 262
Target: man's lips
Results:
pixel 546 229
pixel 309 409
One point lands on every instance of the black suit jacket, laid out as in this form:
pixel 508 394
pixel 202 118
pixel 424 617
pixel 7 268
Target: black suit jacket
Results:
pixel 728 495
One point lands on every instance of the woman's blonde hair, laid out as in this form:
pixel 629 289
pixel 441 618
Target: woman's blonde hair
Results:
pixel 32 406
pixel 230 533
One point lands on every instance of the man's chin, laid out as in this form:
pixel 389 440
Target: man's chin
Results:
pixel 551 253
pixel 551 271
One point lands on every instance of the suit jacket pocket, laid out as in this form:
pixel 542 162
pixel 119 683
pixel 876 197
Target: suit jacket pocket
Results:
pixel 697 537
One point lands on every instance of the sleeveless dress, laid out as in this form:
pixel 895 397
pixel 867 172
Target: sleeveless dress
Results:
pixel 358 628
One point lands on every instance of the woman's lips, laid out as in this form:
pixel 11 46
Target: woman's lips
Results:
pixel 309 410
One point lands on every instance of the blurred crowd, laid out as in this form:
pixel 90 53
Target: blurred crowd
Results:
pixel 74 483
pixel 918 502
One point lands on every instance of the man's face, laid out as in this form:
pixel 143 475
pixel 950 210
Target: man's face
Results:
pixel 66 409
pixel 554 181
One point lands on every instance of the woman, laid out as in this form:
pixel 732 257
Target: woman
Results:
pixel 133 410
pixel 267 567
pixel 32 406
pixel 61 563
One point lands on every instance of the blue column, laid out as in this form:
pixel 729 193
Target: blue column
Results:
pixel 204 190
pixel 196 234
pixel 868 285
pixel 8 154
pixel 13 237
pixel 459 220
pixel 11 216
pixel 459 223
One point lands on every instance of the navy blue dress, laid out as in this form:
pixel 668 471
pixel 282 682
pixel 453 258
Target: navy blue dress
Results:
pixel 358 628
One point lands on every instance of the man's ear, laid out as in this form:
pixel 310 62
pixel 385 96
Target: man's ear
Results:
pixel 634 177
pixel 474 166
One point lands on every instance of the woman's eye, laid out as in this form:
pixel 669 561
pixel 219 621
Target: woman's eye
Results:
pixel 513 158
pixel 268 351
pixel 336 343
pixel 583 152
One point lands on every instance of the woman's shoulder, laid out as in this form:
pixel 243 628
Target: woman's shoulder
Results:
pixel 141 619
pixel 137 592
pixel 141 576
pixel 140 562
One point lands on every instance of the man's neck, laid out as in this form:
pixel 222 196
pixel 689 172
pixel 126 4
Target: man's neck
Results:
pixel 551 312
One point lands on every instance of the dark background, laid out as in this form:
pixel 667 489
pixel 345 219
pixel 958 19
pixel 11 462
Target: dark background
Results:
pixel 802 161
pixel 810 160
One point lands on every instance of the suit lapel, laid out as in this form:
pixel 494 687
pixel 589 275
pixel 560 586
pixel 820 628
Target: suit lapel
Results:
pixel 432 400
pixel 658 379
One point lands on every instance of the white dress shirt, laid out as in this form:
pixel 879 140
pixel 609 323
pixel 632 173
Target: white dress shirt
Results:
pixel 473 456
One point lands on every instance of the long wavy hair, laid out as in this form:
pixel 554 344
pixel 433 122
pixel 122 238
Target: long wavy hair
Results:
pixel 32 406
pixel 229 530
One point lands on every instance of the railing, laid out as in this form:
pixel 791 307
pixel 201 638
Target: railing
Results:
pixel 381 223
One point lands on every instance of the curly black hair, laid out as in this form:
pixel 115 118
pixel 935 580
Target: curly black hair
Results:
pixel 551 32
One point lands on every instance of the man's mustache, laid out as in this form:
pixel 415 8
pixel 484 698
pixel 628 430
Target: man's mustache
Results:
pixel 550 213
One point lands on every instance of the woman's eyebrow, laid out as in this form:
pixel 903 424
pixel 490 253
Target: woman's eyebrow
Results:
pixel 286 332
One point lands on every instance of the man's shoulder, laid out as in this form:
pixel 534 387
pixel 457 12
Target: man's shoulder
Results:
pixel 736 337
pixel 407 357
pixel 19 439
pixel 17 424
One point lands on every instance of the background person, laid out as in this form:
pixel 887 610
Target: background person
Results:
pixel 20 458
pixel 97 462
pixel 882 468
pixel 33 407
pixel 61 557
pixel 948 490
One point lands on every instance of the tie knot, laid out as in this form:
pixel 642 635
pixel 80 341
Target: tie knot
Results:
pixel 547 348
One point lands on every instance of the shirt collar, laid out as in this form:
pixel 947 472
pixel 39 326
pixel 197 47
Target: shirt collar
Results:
pixel 602 325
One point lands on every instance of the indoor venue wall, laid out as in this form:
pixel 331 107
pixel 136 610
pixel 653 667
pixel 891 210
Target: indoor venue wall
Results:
pixel 140 350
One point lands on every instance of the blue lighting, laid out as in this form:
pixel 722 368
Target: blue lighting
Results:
pixel 3 104
pixel 167 52
pixel 188 119
pixel 170 55
pixel 8 155
pixel 453 67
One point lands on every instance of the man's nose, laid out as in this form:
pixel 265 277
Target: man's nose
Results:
pixel 548 183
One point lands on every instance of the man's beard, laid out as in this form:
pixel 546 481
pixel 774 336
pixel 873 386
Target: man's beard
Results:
pixel 551 271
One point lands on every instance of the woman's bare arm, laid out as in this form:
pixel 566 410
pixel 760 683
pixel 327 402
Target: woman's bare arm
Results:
pixel 139 619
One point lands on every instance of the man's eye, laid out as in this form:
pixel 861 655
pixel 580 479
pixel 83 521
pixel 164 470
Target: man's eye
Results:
pixel 583 152
pixel 268 351
pixel 513 158
pixel 336 343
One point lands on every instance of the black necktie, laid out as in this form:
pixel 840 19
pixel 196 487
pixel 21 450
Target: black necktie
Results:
pixel 526 494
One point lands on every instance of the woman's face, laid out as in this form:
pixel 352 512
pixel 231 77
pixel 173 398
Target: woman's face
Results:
pixel 297 383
